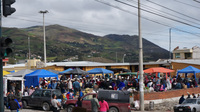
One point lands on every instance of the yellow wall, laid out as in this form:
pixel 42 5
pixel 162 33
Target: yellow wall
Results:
pixel 179 66
pixel 150 66
pixel 92 67
pixel 125 67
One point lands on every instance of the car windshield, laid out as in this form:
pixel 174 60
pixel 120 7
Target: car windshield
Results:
pixel 191 101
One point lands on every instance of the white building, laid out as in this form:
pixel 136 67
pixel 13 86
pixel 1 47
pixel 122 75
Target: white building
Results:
pixel 186 53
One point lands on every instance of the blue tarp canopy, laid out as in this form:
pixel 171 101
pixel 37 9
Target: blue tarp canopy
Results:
pixel 65 71
pixel 189 69
pixel 33 77
pixel 100 71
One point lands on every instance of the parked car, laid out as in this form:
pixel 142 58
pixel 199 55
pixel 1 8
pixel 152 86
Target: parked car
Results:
pixel 118 101
pixel 41 98
pixel 189 105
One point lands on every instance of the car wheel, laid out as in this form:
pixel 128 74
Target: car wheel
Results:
pixel 45 106
pixel 193 110
pixel 24 103
pixel 113 109
pixel 69 108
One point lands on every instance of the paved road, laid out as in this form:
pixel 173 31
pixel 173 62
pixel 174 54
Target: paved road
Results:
pixel 32 109
pixel 40 110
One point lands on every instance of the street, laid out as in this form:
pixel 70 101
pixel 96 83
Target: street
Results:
pixel 32 109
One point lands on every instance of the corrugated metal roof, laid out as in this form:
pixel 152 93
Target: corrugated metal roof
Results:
pixel 87 63
pixel 188 61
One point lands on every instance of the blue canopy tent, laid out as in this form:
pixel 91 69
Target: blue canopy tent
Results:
pixel 100 71
pixel 60 73
pixel 189 69
pixel 33 77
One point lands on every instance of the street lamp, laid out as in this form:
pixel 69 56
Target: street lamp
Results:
pixel 124 57
pixel 44 12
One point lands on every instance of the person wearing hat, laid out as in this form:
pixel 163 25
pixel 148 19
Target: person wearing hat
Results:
pixel 76 86
pixel 54 84
pixel 69 84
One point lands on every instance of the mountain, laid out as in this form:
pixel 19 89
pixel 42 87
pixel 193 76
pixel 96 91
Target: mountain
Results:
pixel 66 43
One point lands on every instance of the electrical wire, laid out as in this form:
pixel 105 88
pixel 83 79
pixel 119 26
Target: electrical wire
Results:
pixel 150 8
pixel 154 21
pixel 173 10
pixel 187 4
pixel 175 20
pixel 197 1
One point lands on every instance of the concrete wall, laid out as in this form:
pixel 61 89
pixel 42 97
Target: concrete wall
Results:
pixel 168 94
pixel 196 53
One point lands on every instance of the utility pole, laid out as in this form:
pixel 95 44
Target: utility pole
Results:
pixel 45 60
pixel 170 30
pixel 29 50
pixel 170 41
pixel 116 57
pixel 140 61
pixel 124 57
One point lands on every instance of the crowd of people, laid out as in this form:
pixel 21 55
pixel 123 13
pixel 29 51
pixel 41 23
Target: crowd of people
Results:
pixel 182 99
pixel 73 88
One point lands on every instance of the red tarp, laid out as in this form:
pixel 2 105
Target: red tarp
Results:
pixel 158 70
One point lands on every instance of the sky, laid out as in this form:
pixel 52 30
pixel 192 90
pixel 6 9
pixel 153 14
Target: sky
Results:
pixel 103 17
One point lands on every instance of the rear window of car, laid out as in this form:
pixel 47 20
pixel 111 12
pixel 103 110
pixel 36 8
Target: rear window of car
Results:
pixel 57 93
pixel 37 93
pixel 190 101
pixel 46 93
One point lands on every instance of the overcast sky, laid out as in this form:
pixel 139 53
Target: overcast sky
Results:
pixel 100 19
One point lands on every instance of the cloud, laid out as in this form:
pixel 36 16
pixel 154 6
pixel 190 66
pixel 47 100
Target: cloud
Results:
pixel 94 17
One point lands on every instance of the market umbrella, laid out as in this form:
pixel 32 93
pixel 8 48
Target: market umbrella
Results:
pixel 63 72
pixel 76 71
pixel 20 73
pixel 158 70
pixel 5 72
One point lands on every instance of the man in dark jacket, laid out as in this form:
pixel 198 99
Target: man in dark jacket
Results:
pixel 95 104
pixel 181 99
pixel 13 105
pixel 76 86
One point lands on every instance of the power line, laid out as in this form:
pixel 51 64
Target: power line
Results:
pixel 187 4
pixel 150 8
pixel 166 25
pixel 197 1
pixel 173 10
pixel 159 15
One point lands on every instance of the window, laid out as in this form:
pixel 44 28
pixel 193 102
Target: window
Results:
pixel 88 97
pixel 46 93
pixel 177 55
pixel 58 94
pixel 37 93
pixel 114 96
pixel 198 102
pixel 188 55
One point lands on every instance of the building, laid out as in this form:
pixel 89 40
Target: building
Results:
pixel 186 53
pixel 84 65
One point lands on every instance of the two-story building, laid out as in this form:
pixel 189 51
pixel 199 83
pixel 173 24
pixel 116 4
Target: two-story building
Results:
pixel 186 53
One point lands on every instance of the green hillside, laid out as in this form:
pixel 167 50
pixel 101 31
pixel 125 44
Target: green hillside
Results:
pixel 64 43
